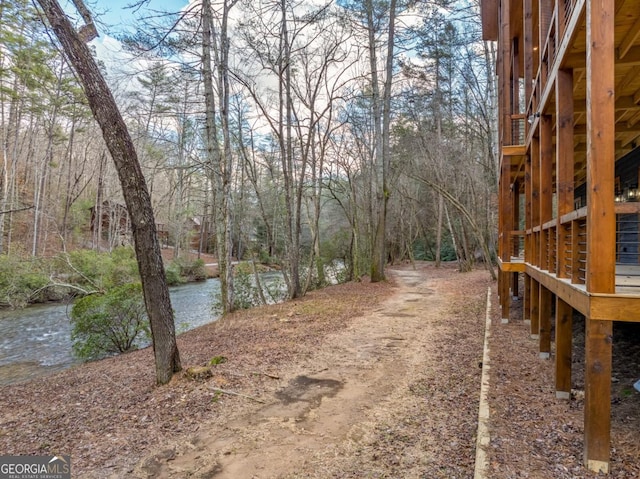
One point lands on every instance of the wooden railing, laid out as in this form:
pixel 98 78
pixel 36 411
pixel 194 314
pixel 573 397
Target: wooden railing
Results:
pixel 551 249
pixel 517 244
pixel 566 251
pixel 579 269
pixel 553 37
pixel 565 10
pixel 518 129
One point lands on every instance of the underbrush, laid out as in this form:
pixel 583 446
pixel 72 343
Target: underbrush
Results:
pixel 25 280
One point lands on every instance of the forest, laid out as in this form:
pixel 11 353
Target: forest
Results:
pixel 292 133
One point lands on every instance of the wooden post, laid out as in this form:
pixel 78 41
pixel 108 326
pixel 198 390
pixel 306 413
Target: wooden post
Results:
pixel 528 48
pixel 515 198
pixel 535 310
pixel 505 238
pixel 545 13
pixel 526 309
pixel 564 340
pixel 564 161
pixel 506 313
pixel 545 322
pixel 546 186
pixel 515 87
pixel 506 215
pixel 528 238
pixel 535 199
pixel 506 211
pixel 504 107
pixel 506 44
pixel 503 288
pixel 601 217
pixel 506 204
pixel 601 227
pixel 515 240
pixel 597 399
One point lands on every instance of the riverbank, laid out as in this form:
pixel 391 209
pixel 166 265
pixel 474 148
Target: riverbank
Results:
pixel 356 380
pixel 108 414
pixel 27 280
pixel 36 341
pixel 210 261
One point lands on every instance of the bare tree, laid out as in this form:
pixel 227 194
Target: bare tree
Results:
pixel 378 19
pixel 136 195
pixel 220 160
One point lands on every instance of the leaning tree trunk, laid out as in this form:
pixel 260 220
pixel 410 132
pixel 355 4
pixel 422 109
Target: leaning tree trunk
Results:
pixel 439 230
pixel 134 188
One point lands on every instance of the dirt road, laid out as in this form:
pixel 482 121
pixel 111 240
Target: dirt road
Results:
pixel 395 394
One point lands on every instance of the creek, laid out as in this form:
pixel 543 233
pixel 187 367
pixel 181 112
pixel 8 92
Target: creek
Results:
pixel 36 340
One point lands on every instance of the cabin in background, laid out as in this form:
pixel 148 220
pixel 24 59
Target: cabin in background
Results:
pixel 569 122
pixel 114 229
pixel 110 222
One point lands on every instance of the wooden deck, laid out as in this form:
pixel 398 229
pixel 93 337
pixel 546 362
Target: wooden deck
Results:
pixel 569 114
pixel 514 265
pixel 623 305
pixel 628 279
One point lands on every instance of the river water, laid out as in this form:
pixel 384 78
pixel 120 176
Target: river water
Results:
pixel 36 341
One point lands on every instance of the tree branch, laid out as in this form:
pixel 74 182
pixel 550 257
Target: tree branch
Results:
pixel 15 210
pixel 232 393
pixel 461 208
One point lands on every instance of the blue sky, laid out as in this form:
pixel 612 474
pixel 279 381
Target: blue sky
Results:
pixel 116 17
pixel 113 18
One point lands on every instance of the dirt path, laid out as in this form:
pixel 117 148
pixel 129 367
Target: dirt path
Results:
pixel 393 395
pixel 359 380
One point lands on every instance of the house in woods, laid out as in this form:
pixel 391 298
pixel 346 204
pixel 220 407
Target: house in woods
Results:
pixel 569 126
pixel 114 228
pixel 110 222
pixel 199 237
pixel 162 230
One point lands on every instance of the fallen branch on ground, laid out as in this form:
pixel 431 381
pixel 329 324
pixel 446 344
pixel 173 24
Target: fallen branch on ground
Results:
pixel 272 376
pixel 233 393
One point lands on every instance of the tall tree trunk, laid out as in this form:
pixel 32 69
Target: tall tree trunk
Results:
pixel 10 130
pixel 134 188
pixel 220 161
pixel 382 118
pixel 10 133
pixel 249 166
pixel 68 201
pixel 286 153
pixel 42 174
pixel 225 256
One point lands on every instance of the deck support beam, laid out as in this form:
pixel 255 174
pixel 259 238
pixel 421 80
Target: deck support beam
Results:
pixel 601 226
pixel 503 292
pixel 535 200
pixel 597 398
pixel 526 307
pixel 546 186
pixel 564 337
pixel 564 164
pixel 545 322
pixel 515 240
pixel 535 310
